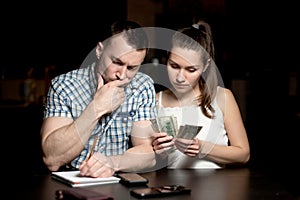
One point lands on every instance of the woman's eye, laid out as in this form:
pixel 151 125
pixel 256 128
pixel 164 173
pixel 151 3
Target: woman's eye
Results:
pixel 175 66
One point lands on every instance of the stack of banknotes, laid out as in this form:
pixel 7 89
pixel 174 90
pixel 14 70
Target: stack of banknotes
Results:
pixel 169 125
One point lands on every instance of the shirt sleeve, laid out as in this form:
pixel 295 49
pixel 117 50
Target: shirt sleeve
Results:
pixel 58 102
pixel 146 100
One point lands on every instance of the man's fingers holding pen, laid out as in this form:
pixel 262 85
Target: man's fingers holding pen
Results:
pixel 97 166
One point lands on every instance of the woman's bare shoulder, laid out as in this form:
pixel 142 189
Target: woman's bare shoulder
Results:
pixel 224 96
pixel 224 92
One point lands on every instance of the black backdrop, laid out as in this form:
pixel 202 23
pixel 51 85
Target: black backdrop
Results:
pixel 60 34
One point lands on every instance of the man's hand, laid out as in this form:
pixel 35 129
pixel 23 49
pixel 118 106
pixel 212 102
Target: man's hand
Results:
pixel 97 165
pixel 109 96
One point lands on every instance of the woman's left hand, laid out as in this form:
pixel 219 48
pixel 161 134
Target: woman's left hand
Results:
pixel 187 146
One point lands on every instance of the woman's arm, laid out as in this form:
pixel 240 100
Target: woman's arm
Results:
pixel 238 151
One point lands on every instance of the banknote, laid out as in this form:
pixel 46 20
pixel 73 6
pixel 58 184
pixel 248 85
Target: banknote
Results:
pixel 166 124
pixel 188 131
pixel 155 125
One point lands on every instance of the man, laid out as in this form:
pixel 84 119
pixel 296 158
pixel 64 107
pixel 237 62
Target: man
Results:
pixel 103 108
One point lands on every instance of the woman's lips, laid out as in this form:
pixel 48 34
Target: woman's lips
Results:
pixel 181 85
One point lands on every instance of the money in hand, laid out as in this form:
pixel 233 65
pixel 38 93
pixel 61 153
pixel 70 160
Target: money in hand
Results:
pixel 166 124
pixel 188 131
pixel 169 125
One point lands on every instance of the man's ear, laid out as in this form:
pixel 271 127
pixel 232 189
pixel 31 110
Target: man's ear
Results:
pixel 207 64
pixel 99 49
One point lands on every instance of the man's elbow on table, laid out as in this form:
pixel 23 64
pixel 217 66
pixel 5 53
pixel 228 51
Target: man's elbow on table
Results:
pixel 246 158
pixel 50 164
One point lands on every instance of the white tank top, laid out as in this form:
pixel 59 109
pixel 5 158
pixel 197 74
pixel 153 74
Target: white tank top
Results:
pixel 212 130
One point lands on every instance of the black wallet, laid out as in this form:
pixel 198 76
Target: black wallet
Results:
pixel 80 194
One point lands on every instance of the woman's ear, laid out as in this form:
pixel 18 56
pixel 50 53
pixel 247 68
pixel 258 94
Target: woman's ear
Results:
pixel 207 64
pixel 99 49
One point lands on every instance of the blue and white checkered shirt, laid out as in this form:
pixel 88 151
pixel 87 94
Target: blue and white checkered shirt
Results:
pixel 70 93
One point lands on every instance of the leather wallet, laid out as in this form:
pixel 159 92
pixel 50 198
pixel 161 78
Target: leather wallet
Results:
pixel 80 194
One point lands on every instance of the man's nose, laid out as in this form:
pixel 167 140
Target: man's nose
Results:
pixel 121 74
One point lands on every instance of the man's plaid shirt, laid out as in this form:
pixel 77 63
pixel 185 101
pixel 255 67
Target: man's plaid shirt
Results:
pixel 71 92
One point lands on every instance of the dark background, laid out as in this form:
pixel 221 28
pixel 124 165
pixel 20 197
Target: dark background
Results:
pixel 256 41
pixel 41 35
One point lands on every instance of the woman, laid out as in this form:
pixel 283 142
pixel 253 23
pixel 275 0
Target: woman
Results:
pixel 197 98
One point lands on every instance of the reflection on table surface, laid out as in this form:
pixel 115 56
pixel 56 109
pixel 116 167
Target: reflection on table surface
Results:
pixel 231 183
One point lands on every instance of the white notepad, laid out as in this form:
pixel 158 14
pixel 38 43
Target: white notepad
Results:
pixel 74 179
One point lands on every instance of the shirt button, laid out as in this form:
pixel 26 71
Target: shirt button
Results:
pixel 125 119
pixel 132 113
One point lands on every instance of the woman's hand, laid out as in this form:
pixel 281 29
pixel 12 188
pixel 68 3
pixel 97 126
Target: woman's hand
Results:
pixel 187 146
pixel 162 142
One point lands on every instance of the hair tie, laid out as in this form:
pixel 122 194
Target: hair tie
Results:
pixel 195 26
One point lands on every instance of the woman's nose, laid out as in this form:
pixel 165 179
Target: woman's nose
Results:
pixel 180 77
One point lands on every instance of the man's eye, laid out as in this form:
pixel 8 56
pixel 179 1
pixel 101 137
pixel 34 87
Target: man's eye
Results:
pixel 191 70
pixel 117 62
pixel 132 67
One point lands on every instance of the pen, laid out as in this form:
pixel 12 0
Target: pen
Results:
pixel 93 147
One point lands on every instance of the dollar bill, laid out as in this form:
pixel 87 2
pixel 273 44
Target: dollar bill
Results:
pixel 169 125
pixel 166 124
pixel 188 131
pixel 155 126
